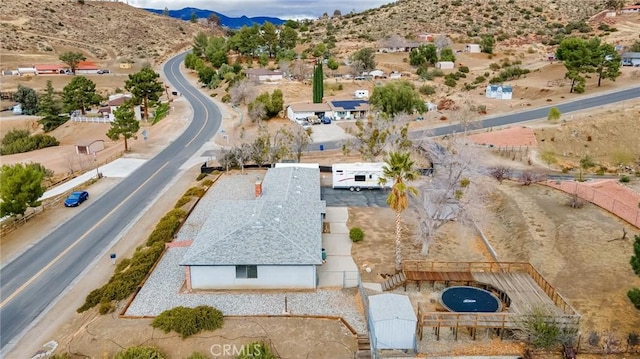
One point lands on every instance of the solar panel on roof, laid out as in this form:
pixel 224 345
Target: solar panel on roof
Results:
pixel 348 105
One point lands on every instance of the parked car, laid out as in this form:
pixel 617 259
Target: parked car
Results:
pixel 76 198
pixel 326 120
pixel 100 72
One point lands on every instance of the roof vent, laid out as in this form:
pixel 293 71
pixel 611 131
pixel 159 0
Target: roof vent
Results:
pixel 277 219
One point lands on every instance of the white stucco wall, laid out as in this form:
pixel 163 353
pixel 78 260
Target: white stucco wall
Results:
pixel 269 277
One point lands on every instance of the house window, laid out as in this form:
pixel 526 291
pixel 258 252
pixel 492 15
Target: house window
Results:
pixel 246 271
pixel 360 178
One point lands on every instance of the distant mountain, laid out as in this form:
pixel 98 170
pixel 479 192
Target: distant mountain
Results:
pixel 226 21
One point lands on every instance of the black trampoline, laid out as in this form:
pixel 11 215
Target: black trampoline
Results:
pixel 470 300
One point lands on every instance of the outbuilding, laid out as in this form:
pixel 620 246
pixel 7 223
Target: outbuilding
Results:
pixel 89 147
pixel 392 322
pixel 472 48
pixel 445 65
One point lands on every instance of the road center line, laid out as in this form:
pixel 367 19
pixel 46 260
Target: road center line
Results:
pixel 68 249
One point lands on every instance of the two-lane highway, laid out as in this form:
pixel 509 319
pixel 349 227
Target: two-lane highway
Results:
pixel 37 277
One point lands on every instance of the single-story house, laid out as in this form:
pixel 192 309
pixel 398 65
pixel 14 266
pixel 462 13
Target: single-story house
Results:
pixel 300 111
pixel 631 59
pixel 349 109
pixel 377 73
pixel 114 102
pixel 50 69
pixel 500 92
pixel 445 65
pixel 425 37
pixel 392 322
pixel 271 242
pixel 22 71
pixel 263 75
pixel 473 48
pixel 630 9
pixel 89 147
pixel 86 68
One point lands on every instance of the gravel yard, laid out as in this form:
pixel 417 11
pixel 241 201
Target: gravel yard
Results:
pixel 162 291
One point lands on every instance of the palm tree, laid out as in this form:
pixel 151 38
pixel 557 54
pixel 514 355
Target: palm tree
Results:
pixel 399 169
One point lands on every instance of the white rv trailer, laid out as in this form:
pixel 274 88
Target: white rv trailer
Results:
pixel 357 176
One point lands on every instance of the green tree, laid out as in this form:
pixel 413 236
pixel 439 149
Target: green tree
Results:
pixel 487 42
pixel 145 86
pixel 447 55
pixel 72 59
pixel 140 353
pixel 424 54
pixel 246 41
pixel 50 109
pixel 397 97
pixel 20 187
pixel 333 63
pixel 548 157
pixel 554 114
pixel 399 169
pixel 194 17
pixel 269 38
pixel 216 51
pixel 366 57
pixel 27 97
pixel 165 12
pixel 288 38
pixel 80 94
pixel 577 59
pixel 318 83
pixel 635 47
pixel 125 124
pixel 200 42
pixel 606 60
pixel 614 4
pixel 586 162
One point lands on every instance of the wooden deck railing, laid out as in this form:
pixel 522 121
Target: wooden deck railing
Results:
pixel 494 267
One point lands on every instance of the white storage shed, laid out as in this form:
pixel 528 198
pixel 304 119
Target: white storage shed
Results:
pixel 445 65
pixel 392 322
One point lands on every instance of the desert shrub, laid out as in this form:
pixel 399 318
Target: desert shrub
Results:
pixel 427 90
pixel 196 355
pixel 479 80
pixel 226 98
pixel 140 353
pixel 494 66
pixel 201 176
pixel 106 308
pixel 207 182
pixel 19 141
pixel 625 179
pixel 195 191
pixel 256 350
pixel 634 297
pixel 124 263
pixel 356 234
pixel 182 201
pixel 464 69
pixel 188 321
pixel 450 82
pixel 61 356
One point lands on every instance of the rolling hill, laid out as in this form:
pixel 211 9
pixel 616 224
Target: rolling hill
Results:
pixel 225 21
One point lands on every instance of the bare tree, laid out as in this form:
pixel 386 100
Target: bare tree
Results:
pixel 284 66
pixel 70 159
pixel 300 139
pixel 280 145
pixel 395 41
pixel 242 154
pixel 227 159
pixel 261 145
pixel 300 70
pixel 257 112
pixel 356 67
pixel 242 92
pixel 466 114
pixel 500 173
pixel 442 42
pixel 528 177
pixel 377 134
pixel 452 193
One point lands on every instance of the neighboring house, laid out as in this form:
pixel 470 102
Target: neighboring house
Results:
pixel 90 147
pixel 631 59
pixel 114 102
pixel 431 106
pixel 263 75
pixel 55 69
pixel 500 92
pixel 87 68
pixel 425 37
pixel 633 9
pixel 473 48
pixel 377 74
pixel 349 109
pixel 445 65
pixel 271 242
pixel 22 71
pixel 300 111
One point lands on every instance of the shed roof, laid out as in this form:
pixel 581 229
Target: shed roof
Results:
pixel 389 306
pixel 631 55
pixel 282 227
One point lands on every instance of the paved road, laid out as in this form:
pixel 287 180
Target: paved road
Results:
pixel 37 277
pixel 577 105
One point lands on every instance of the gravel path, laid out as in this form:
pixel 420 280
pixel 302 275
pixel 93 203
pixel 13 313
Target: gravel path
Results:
pixel 162 292
pixel 237 187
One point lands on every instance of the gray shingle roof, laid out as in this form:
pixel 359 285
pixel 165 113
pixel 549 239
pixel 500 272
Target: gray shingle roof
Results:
pixel 282 227
pixel 389 306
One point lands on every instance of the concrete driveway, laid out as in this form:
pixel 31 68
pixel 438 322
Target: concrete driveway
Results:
pixel 339 270
pixel 330 132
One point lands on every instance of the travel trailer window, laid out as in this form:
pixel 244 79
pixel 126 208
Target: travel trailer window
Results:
pixel 360 178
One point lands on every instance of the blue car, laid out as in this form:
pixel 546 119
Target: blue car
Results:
pixel 76 198
pixel 326 120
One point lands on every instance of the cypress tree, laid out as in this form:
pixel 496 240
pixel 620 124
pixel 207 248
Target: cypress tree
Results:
pixel 318 85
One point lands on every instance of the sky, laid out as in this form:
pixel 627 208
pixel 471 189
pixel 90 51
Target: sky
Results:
pixel 284 9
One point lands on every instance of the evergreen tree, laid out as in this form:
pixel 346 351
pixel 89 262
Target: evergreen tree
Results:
pixel 20 187
pixel 318 83
pixel 125 124
pixel 28 98
pixel 49 109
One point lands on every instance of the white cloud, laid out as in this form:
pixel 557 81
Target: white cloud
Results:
pixel 277 8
